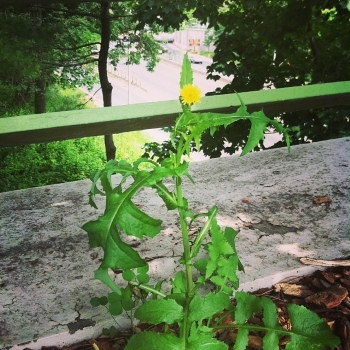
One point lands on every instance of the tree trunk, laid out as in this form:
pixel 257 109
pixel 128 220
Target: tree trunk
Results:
pixel 106 86
pixel 40 96
pixel 40 82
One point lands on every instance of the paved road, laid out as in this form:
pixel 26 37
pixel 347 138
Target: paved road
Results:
pixel 160 85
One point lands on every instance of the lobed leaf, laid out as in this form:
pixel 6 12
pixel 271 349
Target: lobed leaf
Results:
pixel 122 213
pixel 258 125
pixel 309 331
pixel 247 305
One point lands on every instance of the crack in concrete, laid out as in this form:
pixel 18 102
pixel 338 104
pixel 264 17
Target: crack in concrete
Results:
pixel 80 323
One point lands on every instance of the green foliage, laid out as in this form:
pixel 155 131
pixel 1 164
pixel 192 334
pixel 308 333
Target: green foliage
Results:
pixel 284 44
pixel 57 162
pixel 43 164
pixel 308 331
pixel 60 44
pixel 188 307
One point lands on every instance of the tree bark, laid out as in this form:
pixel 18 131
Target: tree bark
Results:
pixel 40 82
pixel 40 96
pixel 106 86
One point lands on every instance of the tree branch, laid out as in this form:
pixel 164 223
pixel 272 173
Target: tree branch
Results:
pixel 47 2
pixel 79 13
pixel 77 47
pixel 76 64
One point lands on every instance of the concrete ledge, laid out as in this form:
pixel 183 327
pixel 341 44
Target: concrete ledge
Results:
pixel 46 265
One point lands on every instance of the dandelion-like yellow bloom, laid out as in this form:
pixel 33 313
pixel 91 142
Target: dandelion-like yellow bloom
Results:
pixel 190 94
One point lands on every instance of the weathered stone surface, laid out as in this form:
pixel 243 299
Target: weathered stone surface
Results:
pixel 46 264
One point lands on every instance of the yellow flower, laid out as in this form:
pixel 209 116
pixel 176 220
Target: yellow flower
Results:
pixel 190 94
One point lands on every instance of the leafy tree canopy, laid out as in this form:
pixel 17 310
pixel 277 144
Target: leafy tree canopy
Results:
pixel 59 43
pixel 281 44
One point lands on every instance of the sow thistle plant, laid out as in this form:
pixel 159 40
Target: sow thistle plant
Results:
pixel 190 315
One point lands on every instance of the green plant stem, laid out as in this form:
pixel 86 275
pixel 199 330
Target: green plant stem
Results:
pixel 251 327
pixel 185 238
pixel 185 329
pixel 147 288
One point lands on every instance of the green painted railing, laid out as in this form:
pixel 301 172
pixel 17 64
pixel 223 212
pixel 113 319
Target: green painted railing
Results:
pixel 58 126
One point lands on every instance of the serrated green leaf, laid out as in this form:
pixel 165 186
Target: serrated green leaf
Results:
pixel 242 339
pixel 168 197
pixel 270 316
pixel 158 311
pixel 152 340
pixel 247 305
pixel 259 122
pixel 230 235
pixel 206 307
pixel 206 342
pixel 221 283
pixel 180 298
pixel 271 341
pixel 270 319
pixel 219 242
pixel 309 331
pixel 179 283
pixel 228 268
pixel 94 190
pixel 122 213
pixel 218 249
pixel 186 76
pixel 203 231
pixel 116 252
pixel 201 265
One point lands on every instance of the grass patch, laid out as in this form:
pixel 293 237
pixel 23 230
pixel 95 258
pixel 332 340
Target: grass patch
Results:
pixel 63 161
pixel 207 54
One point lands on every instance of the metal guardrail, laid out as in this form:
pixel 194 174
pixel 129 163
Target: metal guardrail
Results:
pixel 58 126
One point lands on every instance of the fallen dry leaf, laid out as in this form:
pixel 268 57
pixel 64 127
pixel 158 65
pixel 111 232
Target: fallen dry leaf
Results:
pixel 329 298
pixel 321 200
pixel 293 289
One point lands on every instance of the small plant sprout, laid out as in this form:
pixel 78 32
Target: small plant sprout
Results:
pixel 190 313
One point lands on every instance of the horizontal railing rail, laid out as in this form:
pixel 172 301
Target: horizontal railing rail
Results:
pixel 21 130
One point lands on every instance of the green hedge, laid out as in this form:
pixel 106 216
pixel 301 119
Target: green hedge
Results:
pixel 62 161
